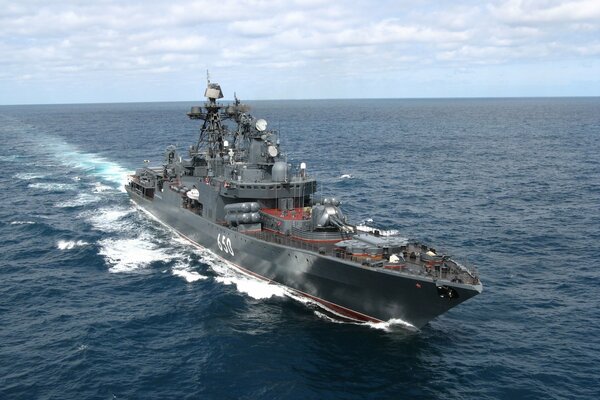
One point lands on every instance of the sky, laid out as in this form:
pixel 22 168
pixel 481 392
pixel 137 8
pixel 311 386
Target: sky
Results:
pixel 80 51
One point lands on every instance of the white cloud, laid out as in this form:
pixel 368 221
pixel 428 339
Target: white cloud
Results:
pixel 188 44
pixel 539 12
pixel 45 42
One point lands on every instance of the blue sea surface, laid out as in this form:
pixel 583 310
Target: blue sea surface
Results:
pixel 99 301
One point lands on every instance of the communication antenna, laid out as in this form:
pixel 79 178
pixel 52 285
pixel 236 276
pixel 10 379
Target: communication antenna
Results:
pixel 207 77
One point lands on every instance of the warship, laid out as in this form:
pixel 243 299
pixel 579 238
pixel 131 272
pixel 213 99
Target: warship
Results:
pixel 235 194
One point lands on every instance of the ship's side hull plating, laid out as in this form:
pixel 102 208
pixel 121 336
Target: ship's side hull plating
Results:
pixel 355 291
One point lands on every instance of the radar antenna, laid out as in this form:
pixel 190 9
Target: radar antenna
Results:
pixel 213 132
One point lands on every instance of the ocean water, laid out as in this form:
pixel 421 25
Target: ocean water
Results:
pixel 99 301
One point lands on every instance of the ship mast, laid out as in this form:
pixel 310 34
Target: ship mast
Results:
pixel 212 130
pixel 212 146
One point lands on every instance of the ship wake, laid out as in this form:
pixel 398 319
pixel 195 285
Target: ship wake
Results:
pixel 57 152
pixel 134 244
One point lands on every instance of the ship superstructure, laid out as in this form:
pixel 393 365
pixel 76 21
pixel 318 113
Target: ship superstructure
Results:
pixel 235 193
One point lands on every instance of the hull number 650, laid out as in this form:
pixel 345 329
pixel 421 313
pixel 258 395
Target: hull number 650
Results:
pixel 224 244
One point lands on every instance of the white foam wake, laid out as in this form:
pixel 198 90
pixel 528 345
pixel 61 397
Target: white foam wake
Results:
pixel 22 223
pixel 184 271
pixel 131 246
pixel 101 167
pixel 253 287
pixel 80 200
pixel 92 164
pixel 108 219
pixel 129 255
pixel 229 274
pixel 100 188
pixel 52 187
pixel 96 165
pixel 70 244
pixel 392 325
pixel 27 176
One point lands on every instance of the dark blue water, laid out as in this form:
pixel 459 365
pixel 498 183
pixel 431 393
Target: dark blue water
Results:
pixel 99 301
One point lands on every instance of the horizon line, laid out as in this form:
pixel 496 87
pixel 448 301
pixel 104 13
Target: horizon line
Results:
pixel 313 99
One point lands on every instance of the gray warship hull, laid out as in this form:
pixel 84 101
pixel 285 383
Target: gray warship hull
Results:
pixel 345 288
pixel 237 195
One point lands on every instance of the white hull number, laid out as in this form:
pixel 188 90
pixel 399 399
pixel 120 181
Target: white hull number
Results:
pixel 224 244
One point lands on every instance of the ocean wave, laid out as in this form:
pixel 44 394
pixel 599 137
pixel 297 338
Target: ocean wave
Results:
pixel 8 158
pixel 184 271
pixel 22 222
pixel 70 244
pixel 132 245
pixel 108 219
pixel 100 188
pixel 92 164
pixel 392 325
pixel 52 187
pixel 130 255
pixel 27 176
pixel 253 287
pixel 328 317
pixel 82 347
pixel 99 166
pixel 80 200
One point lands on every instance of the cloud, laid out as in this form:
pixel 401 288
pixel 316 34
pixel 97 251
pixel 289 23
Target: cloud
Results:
pixel 71 40
pixel 188 44
pixel 542 12
pixel 394 31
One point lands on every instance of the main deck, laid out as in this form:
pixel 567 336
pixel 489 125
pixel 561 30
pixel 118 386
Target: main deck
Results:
pixel 410 263
pixel 411 258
